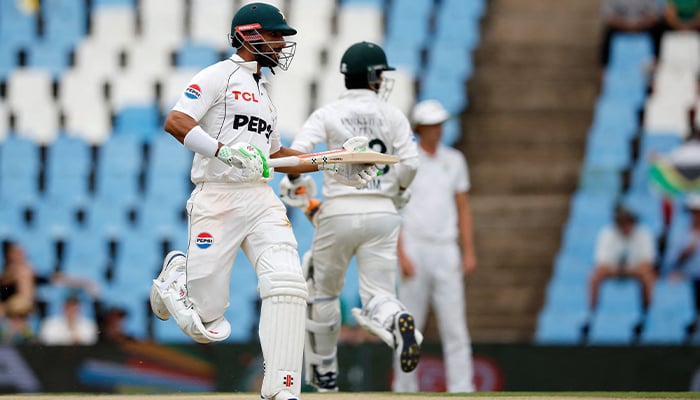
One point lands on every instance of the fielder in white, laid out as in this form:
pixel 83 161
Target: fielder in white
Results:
pixel 436 248
pixel 361 222
pixel 225 116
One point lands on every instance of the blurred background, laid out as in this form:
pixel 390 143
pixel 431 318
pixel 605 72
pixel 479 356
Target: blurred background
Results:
pixel 93 190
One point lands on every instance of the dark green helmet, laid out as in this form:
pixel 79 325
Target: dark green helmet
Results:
pixel 261 16
pixel 362 58
pixel 246 27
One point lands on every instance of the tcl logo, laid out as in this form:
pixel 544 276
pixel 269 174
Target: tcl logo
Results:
pixel 246 96
pixel 252 123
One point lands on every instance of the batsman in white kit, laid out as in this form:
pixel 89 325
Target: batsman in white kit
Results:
pixel 226 117
pixel 361 222
pixel 436 248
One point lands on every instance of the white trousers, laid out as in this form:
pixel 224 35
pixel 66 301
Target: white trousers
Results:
pixel 224 218
pixel 371 238
pixel 438 282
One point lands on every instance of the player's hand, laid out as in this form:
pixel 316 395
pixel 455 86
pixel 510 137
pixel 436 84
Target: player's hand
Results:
pixel 356 144
pixel 296 192
pixel 357 175
pixel 402 198
pixel 245 156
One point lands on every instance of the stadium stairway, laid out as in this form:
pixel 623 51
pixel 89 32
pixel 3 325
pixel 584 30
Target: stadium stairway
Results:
pixel 531 102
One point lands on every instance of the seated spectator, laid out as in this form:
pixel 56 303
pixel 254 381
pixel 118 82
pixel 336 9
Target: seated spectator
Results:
pixel 15 327
pixel 687 262
pixel 17 280
pixel 112 327
pixel 624 249
pixel 629 16
pixel 70 327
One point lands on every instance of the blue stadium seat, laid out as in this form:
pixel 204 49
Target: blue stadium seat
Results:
pixel 451 92
pixel 569 269
pixel 86 256
pixel 671 311
pixel 19 170
pixel 48 56
pixel 65 22
pixel 68 164
pixel 192 55
pixel 559 328
pixel 408 23
pixel 9 59
pixel 458 28
pixel 620 296
pixel 612 328
pixel 167 155
pixel 142 122
pixel 446 61
pixel 600 180
pixel 17 27
pixel 404 56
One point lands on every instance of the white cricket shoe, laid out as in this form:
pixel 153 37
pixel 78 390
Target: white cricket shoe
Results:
pixel 283 395
pixel 407 347
pixel 174 261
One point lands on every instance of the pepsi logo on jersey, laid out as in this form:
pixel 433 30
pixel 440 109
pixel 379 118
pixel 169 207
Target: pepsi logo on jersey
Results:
pixel 204 240
pixel 193 91
pixel 252 123
pixel 245 96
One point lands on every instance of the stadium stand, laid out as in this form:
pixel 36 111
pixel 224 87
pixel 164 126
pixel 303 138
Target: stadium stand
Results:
pixel 640 113
pixel 84 160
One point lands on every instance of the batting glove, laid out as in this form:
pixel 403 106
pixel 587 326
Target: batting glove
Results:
pixel 402 198
pixel 296 192
pixel 357 175
pixel 245 156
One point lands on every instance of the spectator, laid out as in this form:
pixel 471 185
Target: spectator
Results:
pixel 625 248
pixel 69 328
pixel 17 281
pixel 681 15
pixel 687 262
pixel 112 326
pixel 629 16
pixel 15 327
pixel 436 248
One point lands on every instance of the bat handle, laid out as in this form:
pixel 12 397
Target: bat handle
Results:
pixel 291 161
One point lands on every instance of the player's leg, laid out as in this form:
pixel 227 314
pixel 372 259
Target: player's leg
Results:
pixel 377 264
pixel 414 294
pixel 450 308
pixel 193 288
pixel 271 248
pixel 332 250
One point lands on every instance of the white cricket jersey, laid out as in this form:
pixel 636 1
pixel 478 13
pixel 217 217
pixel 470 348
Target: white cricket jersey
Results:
pixel 432 211
pixel 232 106
pixel 360 112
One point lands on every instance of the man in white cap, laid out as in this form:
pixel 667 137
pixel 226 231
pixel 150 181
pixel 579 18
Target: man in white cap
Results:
pixel 436 248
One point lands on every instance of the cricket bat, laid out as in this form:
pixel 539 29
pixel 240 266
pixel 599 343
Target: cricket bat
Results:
pixel 340 156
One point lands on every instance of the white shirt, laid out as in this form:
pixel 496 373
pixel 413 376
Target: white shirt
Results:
pixel 613 248
pixel 432 211
pixel 55 331
pixel 232 106
pixel 360 112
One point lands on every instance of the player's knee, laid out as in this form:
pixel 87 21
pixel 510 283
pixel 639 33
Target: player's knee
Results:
pixel 282 284
pixel 278 258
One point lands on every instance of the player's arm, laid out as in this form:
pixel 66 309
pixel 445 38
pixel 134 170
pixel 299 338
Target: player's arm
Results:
pixel 466 231
pixel 241 155
pixel 293 171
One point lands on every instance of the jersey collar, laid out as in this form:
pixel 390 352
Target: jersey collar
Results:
pixel 251 66
pixel 358 94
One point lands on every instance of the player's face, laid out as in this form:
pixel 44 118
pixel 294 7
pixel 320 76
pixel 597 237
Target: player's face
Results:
pixel 274 43
pixel 430 133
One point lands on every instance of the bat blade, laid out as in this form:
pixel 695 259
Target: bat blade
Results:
pixel 341 156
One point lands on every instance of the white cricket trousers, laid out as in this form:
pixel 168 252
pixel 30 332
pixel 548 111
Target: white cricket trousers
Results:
pixel 223 218
pixel 438 282
pixel 371 238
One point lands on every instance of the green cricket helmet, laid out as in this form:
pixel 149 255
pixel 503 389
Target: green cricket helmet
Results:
pixel 246 26
pixel 367 60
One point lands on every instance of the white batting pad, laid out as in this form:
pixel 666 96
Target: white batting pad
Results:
pixel 281 331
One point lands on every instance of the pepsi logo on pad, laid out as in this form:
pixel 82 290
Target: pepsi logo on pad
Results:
pixel 193 91
pixel 204 240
